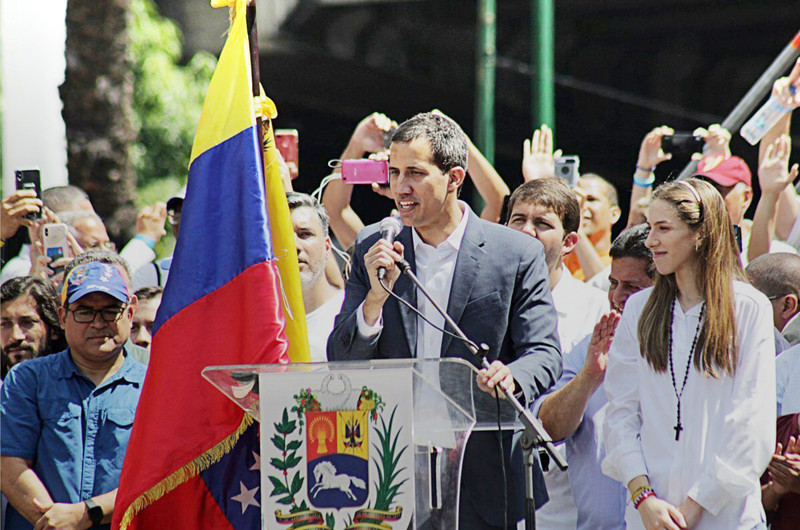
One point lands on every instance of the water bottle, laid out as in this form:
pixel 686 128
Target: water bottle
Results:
pixel 763 120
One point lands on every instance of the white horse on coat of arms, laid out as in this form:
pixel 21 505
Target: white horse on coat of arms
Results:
pixel 327 479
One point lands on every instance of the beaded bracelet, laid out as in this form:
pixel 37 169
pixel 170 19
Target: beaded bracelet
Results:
pixel 638 491
pixel 647 169
pixel 644 183
pixel 646 492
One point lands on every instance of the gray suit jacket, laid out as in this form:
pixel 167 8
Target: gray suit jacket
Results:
pixel 500 296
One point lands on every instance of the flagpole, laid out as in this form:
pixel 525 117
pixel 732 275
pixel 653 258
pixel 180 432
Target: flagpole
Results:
pixel 255 68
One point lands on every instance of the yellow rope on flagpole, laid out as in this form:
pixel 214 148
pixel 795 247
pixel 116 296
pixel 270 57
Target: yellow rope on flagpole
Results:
pixel 184 473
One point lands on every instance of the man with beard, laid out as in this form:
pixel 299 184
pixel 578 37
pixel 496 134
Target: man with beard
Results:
pixel 322 300
pixel 28 321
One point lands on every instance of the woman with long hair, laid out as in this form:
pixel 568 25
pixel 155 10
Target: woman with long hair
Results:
pixel 690 424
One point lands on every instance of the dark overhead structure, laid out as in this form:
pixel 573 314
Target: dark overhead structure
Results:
pixel 622 67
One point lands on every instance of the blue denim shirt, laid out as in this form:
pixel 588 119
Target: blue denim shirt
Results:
pixel 74 432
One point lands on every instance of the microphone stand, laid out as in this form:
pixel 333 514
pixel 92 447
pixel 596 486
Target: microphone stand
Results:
pixel 534 435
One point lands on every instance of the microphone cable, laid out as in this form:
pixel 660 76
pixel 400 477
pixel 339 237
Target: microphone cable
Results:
pixel 419 313
pixel 496 396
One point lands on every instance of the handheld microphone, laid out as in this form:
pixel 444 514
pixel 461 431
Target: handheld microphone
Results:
pixel 390 228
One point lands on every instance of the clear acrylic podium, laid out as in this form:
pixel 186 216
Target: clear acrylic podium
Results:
pixel 438 400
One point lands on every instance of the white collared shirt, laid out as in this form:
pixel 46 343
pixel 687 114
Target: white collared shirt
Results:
pixel 579 307
pixel 729 422
pixel 435 267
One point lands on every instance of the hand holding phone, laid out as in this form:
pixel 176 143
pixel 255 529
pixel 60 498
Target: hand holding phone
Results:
pixel 682 143
pixel 14 211
pixel 56 245
pixel 28 179
pixel 365 171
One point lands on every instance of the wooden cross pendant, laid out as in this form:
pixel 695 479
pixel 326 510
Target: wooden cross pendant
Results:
pixel 678 428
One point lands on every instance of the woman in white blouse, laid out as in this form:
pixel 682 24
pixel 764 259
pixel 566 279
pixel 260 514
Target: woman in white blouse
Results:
pixel 690 424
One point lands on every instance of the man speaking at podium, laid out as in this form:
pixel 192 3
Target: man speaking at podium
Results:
pixel 493 282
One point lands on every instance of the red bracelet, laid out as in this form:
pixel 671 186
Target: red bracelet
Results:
pixel 642 496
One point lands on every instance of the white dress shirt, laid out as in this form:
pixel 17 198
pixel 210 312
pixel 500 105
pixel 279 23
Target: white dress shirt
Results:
pixel 434 267
pixel 729 422
pixel 319 323
pixel 579 307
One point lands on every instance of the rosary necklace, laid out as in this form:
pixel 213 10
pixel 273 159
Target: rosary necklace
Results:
pixel 678 427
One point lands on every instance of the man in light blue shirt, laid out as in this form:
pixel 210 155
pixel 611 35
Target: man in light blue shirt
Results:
pixel 574 409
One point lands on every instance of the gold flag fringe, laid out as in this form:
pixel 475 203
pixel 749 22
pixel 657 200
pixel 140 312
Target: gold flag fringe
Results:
pixel 186 472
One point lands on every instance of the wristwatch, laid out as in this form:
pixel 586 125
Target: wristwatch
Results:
pixel 95 512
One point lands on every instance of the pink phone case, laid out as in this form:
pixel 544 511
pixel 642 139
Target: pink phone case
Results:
pixel 365 171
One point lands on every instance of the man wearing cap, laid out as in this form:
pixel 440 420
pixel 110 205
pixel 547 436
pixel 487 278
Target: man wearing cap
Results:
pixel 65 419
pixel 732 178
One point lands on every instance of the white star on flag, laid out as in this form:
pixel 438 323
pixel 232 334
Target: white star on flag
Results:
pixel 246 497
pixel 257 465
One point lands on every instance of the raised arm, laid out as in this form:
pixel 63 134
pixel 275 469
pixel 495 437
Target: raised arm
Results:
pixel 787 90
pixel 650 155
pixel 774 177
pixel 488 182
pixel 538 157
pixel 562 411
pixel 367 138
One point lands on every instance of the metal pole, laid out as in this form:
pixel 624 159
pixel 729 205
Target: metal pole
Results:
pixel 543 108
pixel 487 63
pixel 750 101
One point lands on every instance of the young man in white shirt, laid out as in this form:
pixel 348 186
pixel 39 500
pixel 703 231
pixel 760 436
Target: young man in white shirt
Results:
pixel 322 300
pixel 548 210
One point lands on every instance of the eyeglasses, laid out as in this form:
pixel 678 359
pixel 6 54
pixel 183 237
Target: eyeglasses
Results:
pixel 85 315
pixel 781 295
pixel 173 217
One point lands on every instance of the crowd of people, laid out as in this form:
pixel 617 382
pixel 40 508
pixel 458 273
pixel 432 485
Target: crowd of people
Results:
pixel 665 361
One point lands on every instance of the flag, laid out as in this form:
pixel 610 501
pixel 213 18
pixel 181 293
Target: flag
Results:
pixel 283 239
pixel 192 459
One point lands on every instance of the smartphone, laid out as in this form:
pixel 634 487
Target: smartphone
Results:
pixel 567 169
pixel 54 236
pixel 683 143
pixel 365 171
pixel 387 137
pixel 286 140
pixel 28 179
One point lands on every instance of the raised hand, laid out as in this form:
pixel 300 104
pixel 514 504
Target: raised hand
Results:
pixel 787 89
pixel 150 221
pixel 650 152
pixel 773 173
pixel 597 356
pixel 538 158
pixel 718 141
pixel 13 210
pixel 368 136
pixel 382 190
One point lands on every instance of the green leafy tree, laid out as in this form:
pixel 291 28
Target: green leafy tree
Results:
pixel 167 99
